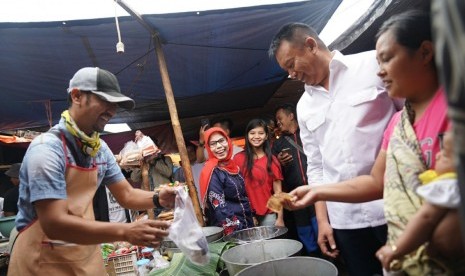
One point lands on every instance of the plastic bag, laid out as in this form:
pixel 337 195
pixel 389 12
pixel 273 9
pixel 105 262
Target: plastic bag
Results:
pixel 146 144
pixel 159 262
pixel 186 232
pixel 130 154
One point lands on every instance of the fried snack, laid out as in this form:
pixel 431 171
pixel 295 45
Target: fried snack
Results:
pixel 131 158
pixel 275 202
pixel 167 215
pixel 173 184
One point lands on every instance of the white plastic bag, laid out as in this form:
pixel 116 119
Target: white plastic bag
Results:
pixel 130 154
pixel 186 232
pixel 158 262
pixel 146 144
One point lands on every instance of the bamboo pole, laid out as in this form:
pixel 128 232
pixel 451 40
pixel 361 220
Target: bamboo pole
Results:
pixel 172 109
pixel 177 129
pixel 145 184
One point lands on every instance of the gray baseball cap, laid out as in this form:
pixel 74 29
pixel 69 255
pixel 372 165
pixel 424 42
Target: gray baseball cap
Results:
pixel 100 82
pixel 13 171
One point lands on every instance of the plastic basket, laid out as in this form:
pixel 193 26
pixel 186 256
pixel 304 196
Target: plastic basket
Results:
pixel 122 265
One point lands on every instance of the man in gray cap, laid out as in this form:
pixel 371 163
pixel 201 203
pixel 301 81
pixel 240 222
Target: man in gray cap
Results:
pixel 60 173
pixel 10 202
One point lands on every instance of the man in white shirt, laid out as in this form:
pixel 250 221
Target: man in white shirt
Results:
pixel 342 116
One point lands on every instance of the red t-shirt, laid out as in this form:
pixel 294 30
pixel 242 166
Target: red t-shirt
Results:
pixel 259 185
pixel 433 122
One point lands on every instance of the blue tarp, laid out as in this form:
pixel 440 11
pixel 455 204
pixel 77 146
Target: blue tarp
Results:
pixel 217 61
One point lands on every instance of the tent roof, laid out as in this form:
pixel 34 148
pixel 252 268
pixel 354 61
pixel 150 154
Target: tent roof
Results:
pixel 361 35
pixel 217 61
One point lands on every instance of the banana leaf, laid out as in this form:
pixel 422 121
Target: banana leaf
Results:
pixel 181 266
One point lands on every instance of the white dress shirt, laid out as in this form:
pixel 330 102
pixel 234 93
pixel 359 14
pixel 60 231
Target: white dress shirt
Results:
pixel 196 170
pixel 341 131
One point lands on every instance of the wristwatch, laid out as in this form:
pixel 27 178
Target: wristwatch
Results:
pixel 156 200
pixel 201 144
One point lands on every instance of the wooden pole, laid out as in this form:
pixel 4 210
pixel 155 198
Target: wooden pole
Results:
pixel 177 129
pixel 172 109
pixel 144 170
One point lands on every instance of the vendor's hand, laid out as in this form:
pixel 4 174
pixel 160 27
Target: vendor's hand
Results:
pixel 326 240
pixel 284 158
pixel 147 232
pixel 386 255
pixel 167 196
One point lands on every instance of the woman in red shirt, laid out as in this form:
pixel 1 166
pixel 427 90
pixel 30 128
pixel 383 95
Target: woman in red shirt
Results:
pixel 261 171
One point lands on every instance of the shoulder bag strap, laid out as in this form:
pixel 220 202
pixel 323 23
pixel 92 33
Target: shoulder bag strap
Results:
pixel 293 143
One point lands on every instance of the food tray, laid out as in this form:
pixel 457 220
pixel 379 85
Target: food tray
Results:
pixel 122 265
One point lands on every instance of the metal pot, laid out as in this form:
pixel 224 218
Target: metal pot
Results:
pixel 295 266
pixel 212 233
pixel 255 234
pixel 243 256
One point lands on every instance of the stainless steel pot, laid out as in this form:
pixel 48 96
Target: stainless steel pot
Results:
pixel 213 233
pixel 243 256
pixel 255 234
pixel 295 266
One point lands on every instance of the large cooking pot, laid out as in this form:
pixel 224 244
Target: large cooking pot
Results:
pixel 243 256
pixel 212 233
pixel 255 234
pixel 295 266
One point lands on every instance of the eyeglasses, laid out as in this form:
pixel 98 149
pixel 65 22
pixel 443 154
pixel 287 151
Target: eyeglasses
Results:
pixel 441 140
pixel 221 141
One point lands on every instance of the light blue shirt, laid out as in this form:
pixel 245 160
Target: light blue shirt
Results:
pixel 42 174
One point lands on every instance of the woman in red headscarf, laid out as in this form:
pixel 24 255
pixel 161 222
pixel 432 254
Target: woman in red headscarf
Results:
pixel 222 188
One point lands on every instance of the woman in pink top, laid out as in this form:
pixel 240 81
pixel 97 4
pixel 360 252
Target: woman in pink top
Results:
pixel 405 53
pixel 261 171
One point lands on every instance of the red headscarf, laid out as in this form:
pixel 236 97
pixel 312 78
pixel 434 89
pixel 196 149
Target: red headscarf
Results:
pixel 226 164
